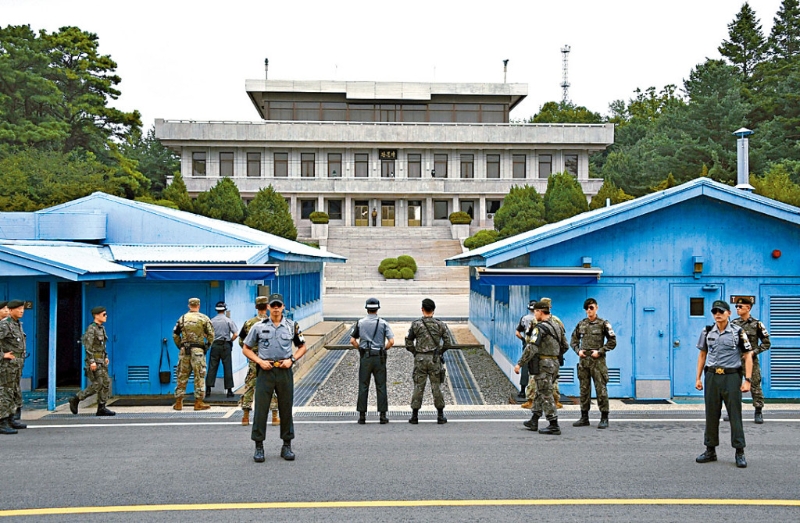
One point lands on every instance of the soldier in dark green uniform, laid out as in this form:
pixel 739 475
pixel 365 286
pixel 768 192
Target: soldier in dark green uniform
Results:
pixel 428 338
pixel 758 337
pixel 372 336
pixel 192 335
pixel 723 346
pixel 587 342
pixel 96 365
pixel 246 401
pixel 13 349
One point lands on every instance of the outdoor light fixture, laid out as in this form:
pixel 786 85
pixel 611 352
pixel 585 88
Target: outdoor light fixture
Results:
pixel 697 265
pixel 586 262
pixel 776 254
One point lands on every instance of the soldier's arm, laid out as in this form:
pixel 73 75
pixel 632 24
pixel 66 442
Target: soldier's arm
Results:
pixel 209 331
pixel 763 335
pixel 410 337
pixel 176 334
pixel 611 338
pixel 575 341
pixel 300 342
pixel 89 338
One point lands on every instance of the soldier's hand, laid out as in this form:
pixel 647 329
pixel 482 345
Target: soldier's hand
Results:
pixel 516 369
pixel 699 385
pixel 264 364
pixel 93 367
pixel 8 356
pixel 582 353
pixel 286 364
pixel 745 386
pixel 106 361
pixel 595 354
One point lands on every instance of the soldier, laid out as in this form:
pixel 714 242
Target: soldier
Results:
pixel 192 335
pixel 372 336
pixel 96 365
pixel 428 339
pixel 524 378
pixel 12 345
pixel 723 346
pixel 3 310
pixel 530 390
pixel 225 333
pixel 269 345
pixel 246 402
pixel 758 337
pixel 547 343
pixel 587 342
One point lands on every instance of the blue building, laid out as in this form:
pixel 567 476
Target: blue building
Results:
pixel 143 262
pixel 655 264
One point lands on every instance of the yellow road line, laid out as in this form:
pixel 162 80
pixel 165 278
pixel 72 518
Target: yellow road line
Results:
pixel 392 503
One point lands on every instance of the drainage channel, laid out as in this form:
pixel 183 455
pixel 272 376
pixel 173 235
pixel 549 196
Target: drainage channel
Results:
pixel 308 385
pixel 465 390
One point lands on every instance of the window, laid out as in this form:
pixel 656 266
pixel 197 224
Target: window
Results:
pixel 362 112
pixel 198 164
pixel 441 112
pixel 440 210
pixel 226 164
pixel 254 165
pixel 439 166
pixel 281 165
pixel 362 165
pixel 415 166
pixel 306 111
pixel 492 206
pixel 697 307
pixel 281 111
pixel 519 166
pixel 493 113
pixel 493 166
pixel 306 208
pixel 467 166
pixel 334 111
pixel 334 165
pixel 467 206
pixel 335 209
pixel 571 164
pixel 545 165
pixel 414 113
pixel 387 168
pixel 468 113
pixel 307 165
pixel 388 113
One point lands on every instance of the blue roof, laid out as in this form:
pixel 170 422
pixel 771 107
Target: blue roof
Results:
pixel 70 260
pixel 591 221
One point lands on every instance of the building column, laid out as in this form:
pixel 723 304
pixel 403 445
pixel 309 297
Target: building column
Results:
pixel 428 212
pixel 348 211
pixel 480 212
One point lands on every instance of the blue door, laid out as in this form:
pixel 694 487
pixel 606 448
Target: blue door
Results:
pixel 691 312
pixel 778 306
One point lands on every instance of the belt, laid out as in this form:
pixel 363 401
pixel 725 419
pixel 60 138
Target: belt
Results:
pixel 543 357
pixel 724 370
pixel 372 352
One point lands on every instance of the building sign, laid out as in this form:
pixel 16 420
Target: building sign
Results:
pixel 387 154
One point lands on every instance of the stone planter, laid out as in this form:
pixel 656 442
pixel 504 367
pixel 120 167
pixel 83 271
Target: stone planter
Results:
pixel 319 231
pixel 460 231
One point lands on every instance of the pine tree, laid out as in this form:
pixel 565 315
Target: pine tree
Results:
pixel 784 39
pixel 222 202
pixel 608 191
pixel 522 210
pixel 269 212
pixel 564 198
pixel 746 44
pixel 177 193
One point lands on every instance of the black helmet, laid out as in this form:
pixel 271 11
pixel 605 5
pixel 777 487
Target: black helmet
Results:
pixel 373 304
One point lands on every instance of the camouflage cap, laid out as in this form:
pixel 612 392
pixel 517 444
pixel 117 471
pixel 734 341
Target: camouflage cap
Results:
pixel 541 307
pixel 547 302
pixel 261 300
pixel 194 302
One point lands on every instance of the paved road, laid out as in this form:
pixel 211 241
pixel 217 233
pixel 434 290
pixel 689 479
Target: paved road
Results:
pixel 474 460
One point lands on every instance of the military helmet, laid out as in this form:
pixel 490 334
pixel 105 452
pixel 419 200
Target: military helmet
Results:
pixel 373 304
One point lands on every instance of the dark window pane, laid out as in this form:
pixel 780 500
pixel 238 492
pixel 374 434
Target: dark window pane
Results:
pixel 467 206
pixel 519 166
pixel 307 111
pixel 697 307
pixel 254 165
pixel 362 112
pixel 387 168
pixel 281 111
pixel 493 166
pixel 307 165
pixel 335 209
pixel 440 165
pixel 571 164
pixel 440 210
pixel 493 113
pixel 545 165
pixel 468 113
pixel 333 111
pixel 492 206
pixel 334 165
pixel 281 165
pixel 198 164
pixel 226 164
pixel 415 166
pixel 307 207
pixel 441 112
pixel 414 113
pixel 467 166
pixel 362 165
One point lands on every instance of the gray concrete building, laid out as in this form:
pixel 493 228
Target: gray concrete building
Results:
pixel 412 152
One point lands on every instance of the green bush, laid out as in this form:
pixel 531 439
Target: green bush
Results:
pixel 406 273
pixel 387 263
pixel 481 238
pixel 407 261
pixel 391 274
pixel 318 217
pixel 460 218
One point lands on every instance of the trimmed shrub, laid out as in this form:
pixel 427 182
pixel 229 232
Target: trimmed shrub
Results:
pixel 407 261
pixel 481 238
pixel 460 218
pixel 318 217
pixel 406 273
pixel 387 263
pixel 391 274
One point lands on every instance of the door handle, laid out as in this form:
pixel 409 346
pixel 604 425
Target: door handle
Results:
pixel 676 342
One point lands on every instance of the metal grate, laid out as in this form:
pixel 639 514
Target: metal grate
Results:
pixel 305 389
pixel 613 377
pixel 784 368
pixel 784 315
pixel 465 390
pixel 566 376
pixel 138 373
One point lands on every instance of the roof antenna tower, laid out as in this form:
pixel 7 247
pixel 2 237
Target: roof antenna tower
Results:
pixel 564 71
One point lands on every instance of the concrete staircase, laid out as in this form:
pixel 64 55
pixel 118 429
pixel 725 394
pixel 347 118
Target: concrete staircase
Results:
pixel 365 247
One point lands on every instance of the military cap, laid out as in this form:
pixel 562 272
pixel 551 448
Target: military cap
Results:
pixel 589 301
pixel 428 304
pixel 373 304
pixel 13 304
pixel 97 310
pixel 744 300
pixel 547 302
pixel 721 304
pixel 261 300
pixel 540 306
pixel 275 298
pixel 531 304
pixel 194 301
pixel 3 304
pixel 221 306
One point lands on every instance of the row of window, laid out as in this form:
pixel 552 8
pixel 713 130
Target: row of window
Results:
pixel 441 208
pixel 365 112
pixel 361 164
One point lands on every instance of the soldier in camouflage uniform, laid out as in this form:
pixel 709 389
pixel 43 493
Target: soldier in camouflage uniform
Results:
pixel 530 390
pixel 587 342
pixel 12 345
pixel 192 335
pixel 759 339
pixel 547 343
pixel 246 402
pixel 427 339
pixel 96 365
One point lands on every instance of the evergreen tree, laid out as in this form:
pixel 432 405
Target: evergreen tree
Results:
pixel 154 161
pixel 522 210
pixel 608 191
pixel 564 197
pixel 177 193
pixel 565 112
pixel 269 212
pixel 784 39
pixel 777 184
pixel 746 44
pixel 222 202
pixel 666 183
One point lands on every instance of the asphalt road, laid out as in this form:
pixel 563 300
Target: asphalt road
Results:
pixel 129 463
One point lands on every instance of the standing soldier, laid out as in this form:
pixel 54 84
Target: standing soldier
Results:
pixel 192 335
pixel 12 345
pixel 524 378
pixel 427 339
pixel 94 343
pixel 269 345
pixel 224 335
pixel 758 337
pixel 372 336
pixel 246 401
pixel 3 310
pixel 587 342
pixel 530 390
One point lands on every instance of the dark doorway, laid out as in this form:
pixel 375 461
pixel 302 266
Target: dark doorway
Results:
pixel 69 352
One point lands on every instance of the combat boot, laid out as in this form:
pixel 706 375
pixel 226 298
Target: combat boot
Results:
pixel 759 418
pixel 440 419
pixel 533 423
pixel 14 424
pixel 18 414
pixel 528 404
pixel 178 404
pixel 258 457
pixel 286 450
pixel 552 429
pixel 603 421
pixel 584 421
pixel 740 461
pixel 230 393
pixel 103 411
pixel 275 419
pixel 709 455
pixel 362 418
pixel 6 428
pixel 246 417
pixel 384 419
pixel 73 404
pixel 414 417
pixel 201 405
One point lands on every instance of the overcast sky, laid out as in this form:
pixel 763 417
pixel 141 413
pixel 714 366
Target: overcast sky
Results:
pixel 181 59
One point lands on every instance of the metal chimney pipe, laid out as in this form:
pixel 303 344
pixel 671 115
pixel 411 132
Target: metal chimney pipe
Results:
pixel 743 160
pixel 505 69
pixel 266 68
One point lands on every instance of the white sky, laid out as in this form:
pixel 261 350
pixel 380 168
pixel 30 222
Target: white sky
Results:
pixel 181 59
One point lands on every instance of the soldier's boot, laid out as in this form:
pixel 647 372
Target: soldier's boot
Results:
pixel 230 393
pixel 178 404
pixel 275 419
pixel 709 455
pixel 552 429
pixel 258 457
pixel 603 421
pixel 362 418
pixel 740 461
pixel 759 418
pixel 73 404
pixel 533 423
pixel 440 419
pixel 201 405
pixel 246 417
pixel 18 414
pixel 103 411
pixel 14 424
pixel 384 419
pixel 528 404
pixel 286 450
pixel 559 405
pixel 414 419
pixel 583 421
pixel 208 391
pixel 6 428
